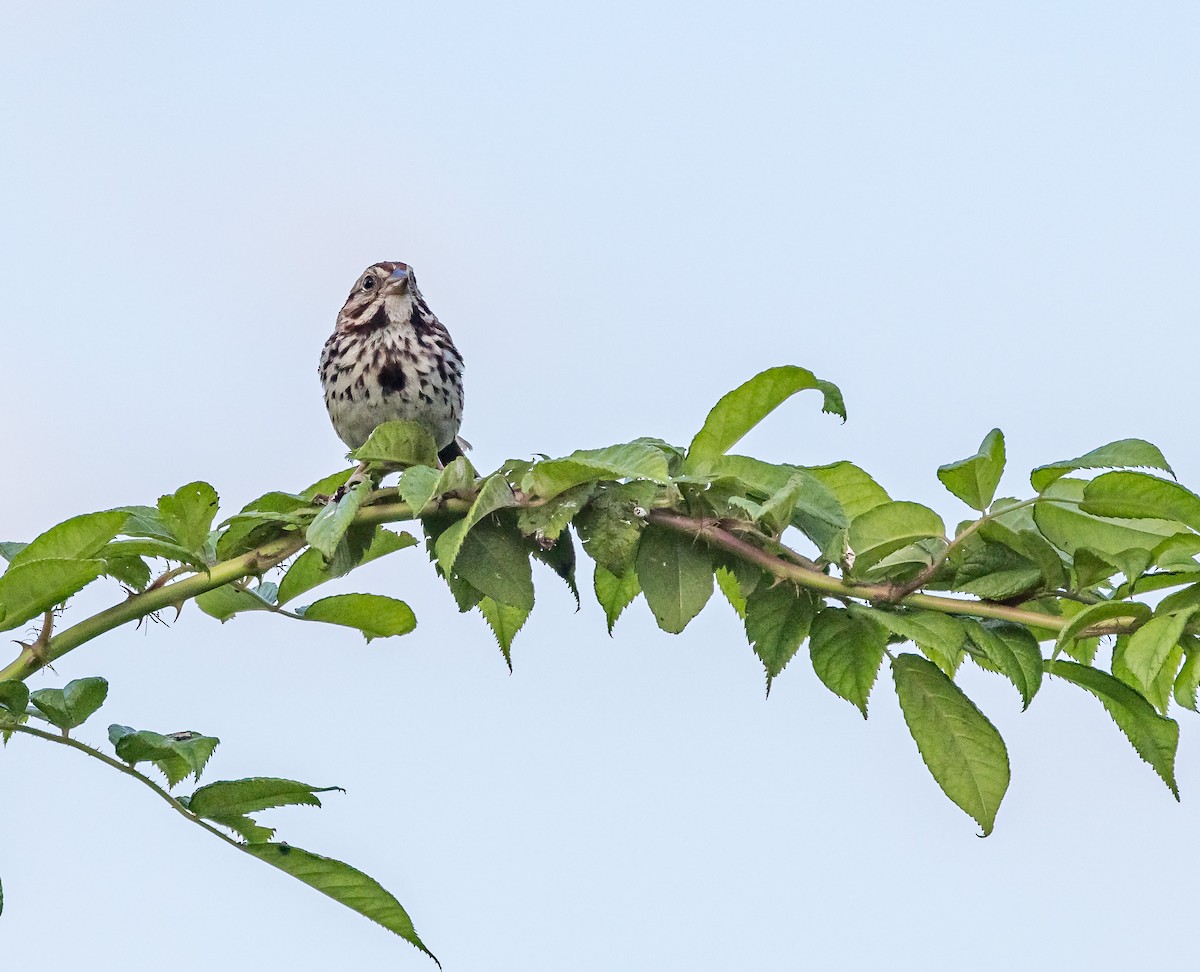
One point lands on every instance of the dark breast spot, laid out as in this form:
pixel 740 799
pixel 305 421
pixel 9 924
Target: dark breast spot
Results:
pixel 391 377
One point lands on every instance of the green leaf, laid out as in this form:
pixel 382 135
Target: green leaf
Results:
pixel 30 589
pixel 727 582
pixel 249 829
pixel 634 460
pixel 72 704
pixel 344 884
pixel 1125 452
pixel 790 495
pixel 10 548
pixel 224 602
pixel 351 550
pixel 188 515
pixel 1061 521
pixel 855 490
pixel 399 443
pixel 145 521
pixel 150 547
pixel 328 486
pixel 176 755
pixel 1188 597
pixel 778 619
pixel 493 559
pixel 1145 655
pixel 611 524
pixel 675 455
pixel 14 696
pixel 846 652
pixel 1178 553
pixel 974 479
pixel 276 506
pixel 907 562
pixel 465 596
pixel 1013 650
pixel 419 484
pixel 939 636
pixel 1156 692
pixel 962 749
pixel 1032 547
pixel 1090 570
pixel 1094 614
pixel 614 593
pixel 194 748
pixel 262 520
pixel 754 476
pixel 1134 495
pixel 495 494
pixel 374 615
pixel 559 556
pixel 1013 513
pixel 239 797
pixel 819 515
pixel 993 570
pixel 1188 680
pixel 505 621
pixel 676 576
pixel 888 527
pixel 775 513
pixel 1154 737
pixel 78 538
pixel 748 404
pixel 330 525
pixel 550 519
pixel 310 569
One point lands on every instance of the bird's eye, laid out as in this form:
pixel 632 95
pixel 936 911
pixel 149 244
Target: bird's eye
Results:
pixel 368 283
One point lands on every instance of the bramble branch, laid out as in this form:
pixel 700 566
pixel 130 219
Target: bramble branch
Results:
pixel 715 534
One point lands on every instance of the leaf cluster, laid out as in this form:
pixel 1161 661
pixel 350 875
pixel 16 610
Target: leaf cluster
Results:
pixel 225 804
pixel 1101 550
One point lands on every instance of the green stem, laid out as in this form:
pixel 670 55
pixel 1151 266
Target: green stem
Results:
pixel 175 594
pixel 128 771
pixel 712 533
pixel 900 591
pixel 256 562
pixel 134 608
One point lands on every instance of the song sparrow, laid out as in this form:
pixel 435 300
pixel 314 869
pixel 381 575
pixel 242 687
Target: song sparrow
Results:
pixel 390 358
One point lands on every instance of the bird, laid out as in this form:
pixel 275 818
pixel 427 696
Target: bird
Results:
pixel 389 358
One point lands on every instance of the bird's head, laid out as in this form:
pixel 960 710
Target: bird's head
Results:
pixel 386 286
pixel 387 279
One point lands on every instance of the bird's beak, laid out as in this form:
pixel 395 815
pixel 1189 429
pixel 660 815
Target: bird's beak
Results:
pixel 399 278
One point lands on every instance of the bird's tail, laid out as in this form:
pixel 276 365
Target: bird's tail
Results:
pixel 455 449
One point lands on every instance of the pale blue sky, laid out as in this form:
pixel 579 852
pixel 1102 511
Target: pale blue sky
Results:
pixel 967 215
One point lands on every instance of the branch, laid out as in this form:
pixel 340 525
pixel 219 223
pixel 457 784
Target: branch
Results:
pixel 712 533
pixel 253 564
pixel 128 771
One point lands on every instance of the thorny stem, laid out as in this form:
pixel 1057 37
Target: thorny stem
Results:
pixel 128 770
pixel 257 561
pixel 900 591
pixel 43 638
pixel 242 585
pixel 384 507
pixel 175 594
pixel 711 532
pixel 168 575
